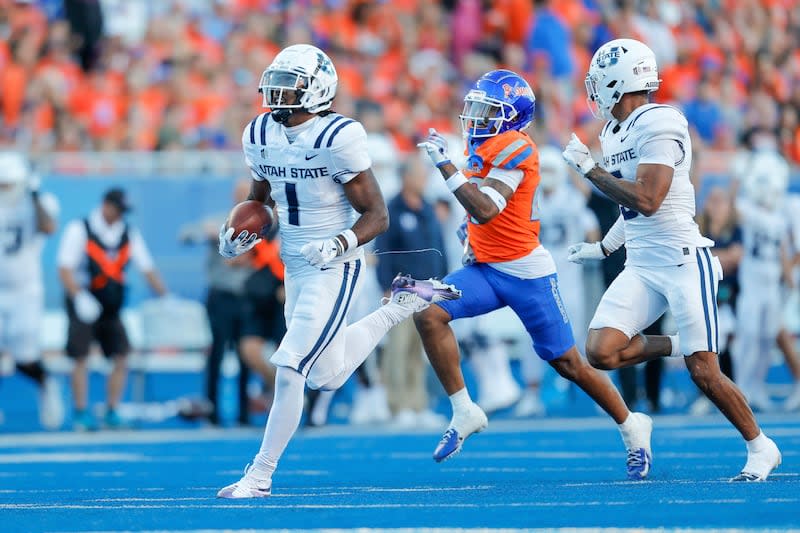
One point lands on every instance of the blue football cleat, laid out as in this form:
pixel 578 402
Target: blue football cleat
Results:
pixel 461 427
pixel 639 462
pixel 448 446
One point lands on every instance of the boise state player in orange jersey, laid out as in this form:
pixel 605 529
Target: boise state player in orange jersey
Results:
pixel 505 265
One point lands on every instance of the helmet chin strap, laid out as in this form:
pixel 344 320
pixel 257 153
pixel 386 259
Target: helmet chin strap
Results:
pixel 282 115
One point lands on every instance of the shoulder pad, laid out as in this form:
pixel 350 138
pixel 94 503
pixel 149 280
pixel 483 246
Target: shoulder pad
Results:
pixel 510 151
pixel 660 122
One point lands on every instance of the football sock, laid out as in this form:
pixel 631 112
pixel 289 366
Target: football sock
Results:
pixel 283 421
pixel 393 313
pixel 757 444
pixel 629 432
pixel 362 337
pixel 460 401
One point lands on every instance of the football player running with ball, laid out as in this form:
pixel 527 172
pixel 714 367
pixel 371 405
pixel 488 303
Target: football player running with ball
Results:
pixel 647 155
pixel 505 265
pixel 313 165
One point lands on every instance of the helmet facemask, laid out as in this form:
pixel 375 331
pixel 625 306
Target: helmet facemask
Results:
pixel 282 92
pixel 484 116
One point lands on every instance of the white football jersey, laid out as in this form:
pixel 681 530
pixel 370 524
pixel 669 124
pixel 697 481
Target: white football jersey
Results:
pixel 21 244
pixel 764 232
pixel 656 133
pixel 306 177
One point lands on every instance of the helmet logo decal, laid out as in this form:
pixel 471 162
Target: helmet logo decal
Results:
pixel 518 90
pixel 610 57
pixel 323 64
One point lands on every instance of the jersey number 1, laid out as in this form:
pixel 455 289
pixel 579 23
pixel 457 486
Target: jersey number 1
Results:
pixel 291 202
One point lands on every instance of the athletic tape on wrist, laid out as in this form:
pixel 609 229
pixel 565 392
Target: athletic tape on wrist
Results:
pixel 455 181
pixel 348 237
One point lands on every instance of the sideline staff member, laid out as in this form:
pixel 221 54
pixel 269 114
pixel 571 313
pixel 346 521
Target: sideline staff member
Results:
pixel 92 258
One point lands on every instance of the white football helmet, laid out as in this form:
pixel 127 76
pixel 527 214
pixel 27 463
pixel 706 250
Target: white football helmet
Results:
pixel 618 67
pixel 552 168
pixel 14 173
pixel 767 179
pixel 301 69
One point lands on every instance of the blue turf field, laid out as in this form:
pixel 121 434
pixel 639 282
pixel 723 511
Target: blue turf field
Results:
pixel 537 474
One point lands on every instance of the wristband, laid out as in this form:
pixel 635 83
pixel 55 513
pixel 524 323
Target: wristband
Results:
pixel 440 164
pixel 455 181
pixel 603 249
pixel 348 237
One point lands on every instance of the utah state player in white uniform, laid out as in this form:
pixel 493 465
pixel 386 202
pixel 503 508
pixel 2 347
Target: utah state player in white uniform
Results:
pixel 646 160
pixel 313 165
pixel 26 216
pixel 766 244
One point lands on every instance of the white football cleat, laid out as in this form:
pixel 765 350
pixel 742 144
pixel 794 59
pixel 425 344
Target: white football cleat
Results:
pixel 760 464
pixel 247 487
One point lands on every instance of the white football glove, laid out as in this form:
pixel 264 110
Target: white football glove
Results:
pixel 436 146
pixel 230 247
pixel 87 308
pixel 577 155
pixel 578 253
pixel 320 253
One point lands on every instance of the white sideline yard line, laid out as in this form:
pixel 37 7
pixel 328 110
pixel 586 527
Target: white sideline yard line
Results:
pixel 460 505
pixel 481 530
pixel 62 457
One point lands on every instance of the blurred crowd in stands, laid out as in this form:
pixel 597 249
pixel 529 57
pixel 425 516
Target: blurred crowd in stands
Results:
pixel 182 74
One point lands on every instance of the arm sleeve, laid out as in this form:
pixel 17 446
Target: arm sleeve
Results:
pixel 72 246
pixel 615 237
pixel 512 178
pixel 50 204
pixel 140 255
pixel 349 154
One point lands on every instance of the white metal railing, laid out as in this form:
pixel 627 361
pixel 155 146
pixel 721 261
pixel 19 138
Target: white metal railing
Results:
pixel 143 164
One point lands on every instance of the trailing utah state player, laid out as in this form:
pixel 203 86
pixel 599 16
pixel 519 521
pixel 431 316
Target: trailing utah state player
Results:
pixel 647 155
pixel 313 165
pixel 26 216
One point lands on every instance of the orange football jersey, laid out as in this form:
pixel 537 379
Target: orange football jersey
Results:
pixel 514 233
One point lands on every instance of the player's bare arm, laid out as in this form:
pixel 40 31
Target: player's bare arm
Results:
pixel 260 191
pixel 365 196
pixel 479 205
pixel 643 195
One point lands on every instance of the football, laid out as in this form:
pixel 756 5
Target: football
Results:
pixel 250 215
